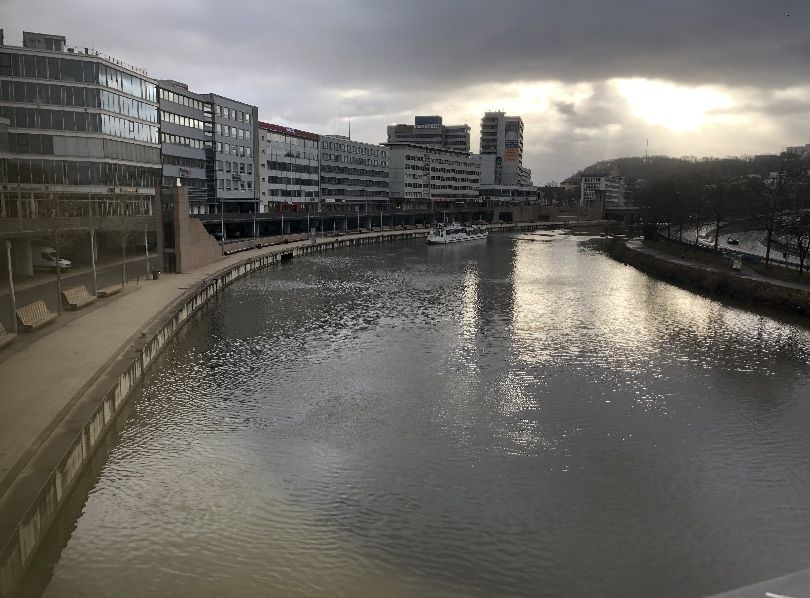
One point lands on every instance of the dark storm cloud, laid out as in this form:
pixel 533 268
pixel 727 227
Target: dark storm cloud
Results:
pixel 564 108
pixel 378 43
pixel 312 63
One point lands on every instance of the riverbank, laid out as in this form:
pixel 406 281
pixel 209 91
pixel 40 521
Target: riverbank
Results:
pixel 743 285
pixel 62 390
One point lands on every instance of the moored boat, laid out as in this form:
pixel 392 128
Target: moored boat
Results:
pixel 443 234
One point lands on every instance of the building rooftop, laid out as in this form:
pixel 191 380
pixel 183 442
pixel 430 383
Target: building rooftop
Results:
pixel 433 148
pixel 289 131
pixel 47 42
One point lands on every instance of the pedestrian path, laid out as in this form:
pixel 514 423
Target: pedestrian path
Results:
pixel 42 376
pixel 40 380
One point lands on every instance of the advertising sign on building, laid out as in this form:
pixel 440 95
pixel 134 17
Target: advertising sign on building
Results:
pixel 511 134
pixel 511 141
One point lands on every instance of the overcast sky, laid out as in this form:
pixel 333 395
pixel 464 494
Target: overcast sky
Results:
pixel 591 79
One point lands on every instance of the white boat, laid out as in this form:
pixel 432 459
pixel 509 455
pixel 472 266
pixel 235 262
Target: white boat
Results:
pixel 441 234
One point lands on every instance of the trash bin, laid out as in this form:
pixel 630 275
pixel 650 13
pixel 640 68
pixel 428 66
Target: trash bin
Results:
pixel 155 273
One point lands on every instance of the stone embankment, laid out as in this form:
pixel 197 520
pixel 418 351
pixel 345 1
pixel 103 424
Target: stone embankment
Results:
pixel 746 287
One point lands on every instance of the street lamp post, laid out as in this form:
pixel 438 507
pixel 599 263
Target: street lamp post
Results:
pixel 222 224
pixel 93 249
pixel 11 289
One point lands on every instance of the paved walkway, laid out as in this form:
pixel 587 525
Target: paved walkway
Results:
pixel 43 373
pixel 745 272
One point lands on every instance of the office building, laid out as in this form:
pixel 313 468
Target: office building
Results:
pixel 186 140
pixel 352 171
pixel 429 130
pixel 597 187
pixel 82 127
pixel 423 175
pixel 502 151
pixel 209 142
pixel 288 168
pixel 236 143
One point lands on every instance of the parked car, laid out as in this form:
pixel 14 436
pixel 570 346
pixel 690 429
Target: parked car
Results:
pixel 733 241
pixel 44 258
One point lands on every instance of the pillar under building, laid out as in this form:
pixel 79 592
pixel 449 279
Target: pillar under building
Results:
pixel 22 257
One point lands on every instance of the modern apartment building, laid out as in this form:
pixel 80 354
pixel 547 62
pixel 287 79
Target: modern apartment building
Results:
pixel 611 188
pixel 236 143
pixel 186 141
pixel 352 171
pixel 82 127
pixel 288 168
pixel 426 175
pixel 429 130
pixel 502 150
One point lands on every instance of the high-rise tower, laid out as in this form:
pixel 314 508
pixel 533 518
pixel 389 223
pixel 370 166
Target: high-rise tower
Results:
pixel 502 150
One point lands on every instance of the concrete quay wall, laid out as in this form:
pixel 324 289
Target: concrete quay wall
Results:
pixel 34 499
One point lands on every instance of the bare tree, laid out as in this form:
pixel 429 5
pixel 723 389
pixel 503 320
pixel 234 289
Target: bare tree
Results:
pixel 123 226
pixel 58 233
pixel 793 226
pixel 795 229
pixel 773 191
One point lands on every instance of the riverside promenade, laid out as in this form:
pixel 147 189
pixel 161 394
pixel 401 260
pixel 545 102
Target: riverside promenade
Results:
pixel 61 386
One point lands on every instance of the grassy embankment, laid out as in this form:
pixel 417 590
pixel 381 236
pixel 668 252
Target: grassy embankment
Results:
pixel 720 280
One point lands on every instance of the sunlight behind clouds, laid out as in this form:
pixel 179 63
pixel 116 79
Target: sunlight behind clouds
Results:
pixel 676 107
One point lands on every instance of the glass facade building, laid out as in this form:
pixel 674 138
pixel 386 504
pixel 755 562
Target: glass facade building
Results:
pixel 288 168
pixel 82 125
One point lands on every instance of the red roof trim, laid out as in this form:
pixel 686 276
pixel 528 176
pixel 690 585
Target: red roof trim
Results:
pixel 289 131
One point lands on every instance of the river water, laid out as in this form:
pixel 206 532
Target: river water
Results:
pixel 521 416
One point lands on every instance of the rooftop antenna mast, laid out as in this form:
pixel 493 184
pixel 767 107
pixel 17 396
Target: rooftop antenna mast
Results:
pixel 647 153
pixel 350 127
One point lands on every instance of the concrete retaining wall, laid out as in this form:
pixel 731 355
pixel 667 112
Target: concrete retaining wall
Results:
pixel 32 503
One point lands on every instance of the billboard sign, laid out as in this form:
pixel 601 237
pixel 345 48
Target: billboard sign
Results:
pixel 511 134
